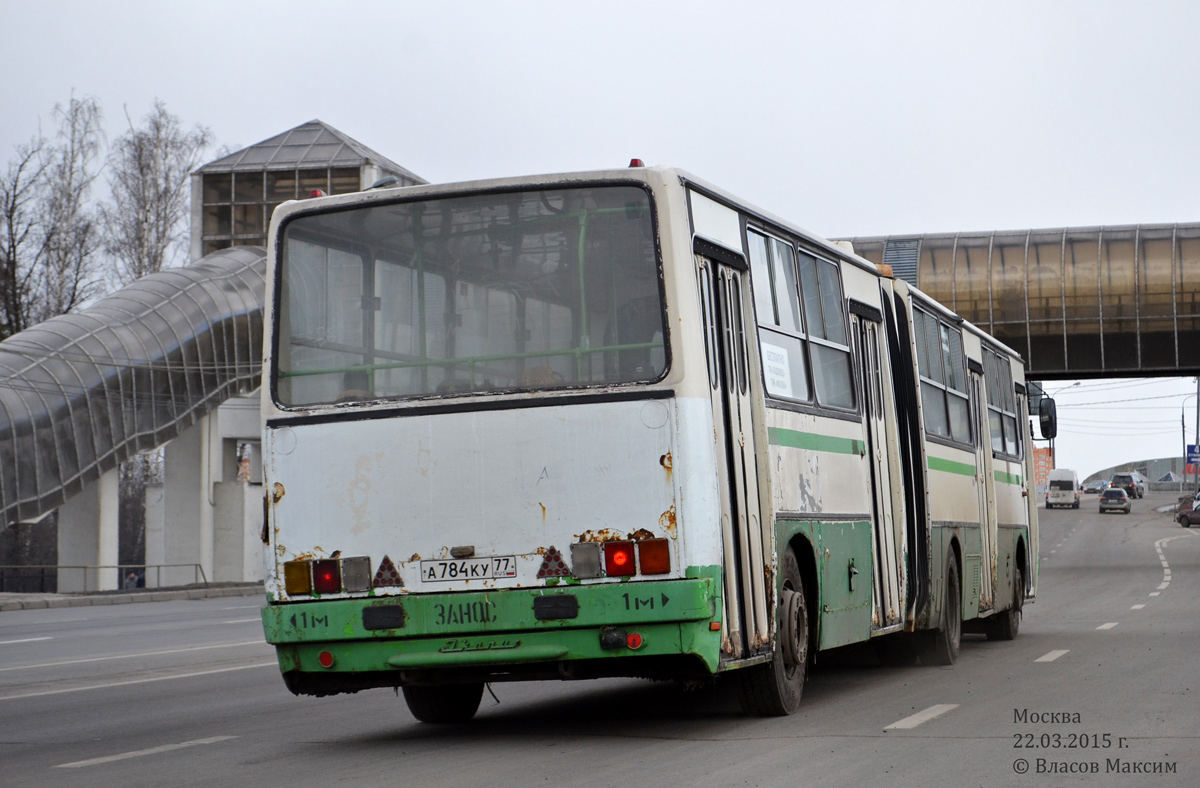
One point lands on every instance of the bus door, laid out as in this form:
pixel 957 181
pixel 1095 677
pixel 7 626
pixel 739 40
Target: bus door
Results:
pixel 986 487
pixel 746 625
pixel 887 599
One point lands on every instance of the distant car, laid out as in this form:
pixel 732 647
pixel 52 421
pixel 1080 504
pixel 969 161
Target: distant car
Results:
pixel 1114 499
pixel 1097 486
pixel 1132 483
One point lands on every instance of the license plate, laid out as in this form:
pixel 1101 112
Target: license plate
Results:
pixel 469 569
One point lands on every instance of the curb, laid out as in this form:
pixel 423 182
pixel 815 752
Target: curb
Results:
pixel 49 601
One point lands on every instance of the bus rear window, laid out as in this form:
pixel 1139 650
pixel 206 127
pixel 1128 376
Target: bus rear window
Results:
pixel 484 293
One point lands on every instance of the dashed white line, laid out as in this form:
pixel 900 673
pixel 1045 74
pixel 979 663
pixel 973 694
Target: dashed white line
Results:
pixel 134 656
pixel 24 640
pixel 1109 625
pixel 108 684
pixel 1052 655
pixel 1163 586
pixel 921 717
pixel 1155 593
pixel 1137 607
pixel 141 753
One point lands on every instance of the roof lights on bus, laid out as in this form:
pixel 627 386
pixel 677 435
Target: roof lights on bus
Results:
pixel 316 193
pixel 654 556
pixel 636 163
pixel 618 559
pixel 297 577
pixel 327 576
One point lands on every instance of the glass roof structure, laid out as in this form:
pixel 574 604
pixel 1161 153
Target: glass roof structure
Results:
pixel 315 144
pixel 81 393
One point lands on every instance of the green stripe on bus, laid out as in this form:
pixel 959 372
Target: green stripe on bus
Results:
pixel 794 439
pixel 1008 478
pixel 950 466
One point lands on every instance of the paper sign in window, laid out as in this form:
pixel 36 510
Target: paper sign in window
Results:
pixel 777 370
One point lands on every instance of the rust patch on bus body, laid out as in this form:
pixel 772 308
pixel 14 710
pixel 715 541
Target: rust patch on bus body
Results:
pixel 666 521
pixel 415 557
pixel 603 535
pixel 543 510
pixel 640 534
pixel 277 492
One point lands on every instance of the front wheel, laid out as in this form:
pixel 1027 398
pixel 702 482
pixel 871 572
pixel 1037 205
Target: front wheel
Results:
pixel 444 703
pixel 773 689
pixel 1184 521
pixel 941 648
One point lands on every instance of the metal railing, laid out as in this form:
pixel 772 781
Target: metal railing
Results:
pixel 22 579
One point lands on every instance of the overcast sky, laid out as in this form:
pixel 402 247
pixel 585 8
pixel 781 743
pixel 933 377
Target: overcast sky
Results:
pixel 850 118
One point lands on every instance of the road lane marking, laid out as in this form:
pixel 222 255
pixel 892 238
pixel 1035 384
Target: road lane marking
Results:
pixel 1109 625
pixel 1163 586
pixel 135 656
pixel 1137 607
pixel 244 621
pixel 921 717
pixel 243 607
pixel 141 753
pixel 1155 593
pixel 1050 656
pixel 24 640
pixel 107 685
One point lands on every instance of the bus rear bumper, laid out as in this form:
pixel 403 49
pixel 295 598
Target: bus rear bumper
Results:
pixel 669 628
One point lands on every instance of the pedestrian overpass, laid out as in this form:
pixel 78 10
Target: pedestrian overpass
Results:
pixel 1076 302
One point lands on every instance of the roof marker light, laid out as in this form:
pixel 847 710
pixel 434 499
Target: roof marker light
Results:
pixel 636 163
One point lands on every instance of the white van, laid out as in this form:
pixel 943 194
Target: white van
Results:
pixel 1063 489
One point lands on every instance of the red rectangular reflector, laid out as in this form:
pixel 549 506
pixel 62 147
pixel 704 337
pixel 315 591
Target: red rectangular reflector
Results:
pixel 654 556
pixel 327 576
pixel 618 559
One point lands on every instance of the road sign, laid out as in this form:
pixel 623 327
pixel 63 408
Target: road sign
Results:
pixel 1193 453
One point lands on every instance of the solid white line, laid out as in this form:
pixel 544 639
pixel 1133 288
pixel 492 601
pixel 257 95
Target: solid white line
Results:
pixel 921 717
pixel 272 664
pixel 244 621
pixel 1109 625
pixel 139 753
pixel 1137 607
pixel 1052 655
pixel 243 607
pixel 135 656
pixel 24 640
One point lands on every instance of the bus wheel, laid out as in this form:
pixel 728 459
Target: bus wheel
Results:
pixel 773 689
pixel 444 703
pixel 941 645
pixel 1004 626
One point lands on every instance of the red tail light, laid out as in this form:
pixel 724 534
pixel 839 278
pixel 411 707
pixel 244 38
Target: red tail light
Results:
pixel 654 556
pixel 327 576
pixel 618 558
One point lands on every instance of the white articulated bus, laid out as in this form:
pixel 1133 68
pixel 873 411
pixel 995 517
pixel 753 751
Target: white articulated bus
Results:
pixel 621 423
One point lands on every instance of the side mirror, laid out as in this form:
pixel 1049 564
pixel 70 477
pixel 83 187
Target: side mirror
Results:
pixel 1048 418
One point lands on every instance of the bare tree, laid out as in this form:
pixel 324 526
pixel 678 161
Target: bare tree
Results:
pixel 146 228
pixel 20 244
pixel 68 275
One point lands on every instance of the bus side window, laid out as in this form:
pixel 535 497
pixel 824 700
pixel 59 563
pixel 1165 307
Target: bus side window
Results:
pixel 825 314
pixel 781 333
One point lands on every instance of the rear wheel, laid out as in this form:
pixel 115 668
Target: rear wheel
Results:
pixel 774 688
pixel 1184 521
pixel 941 648
pixel 1004 626
pixel 444 703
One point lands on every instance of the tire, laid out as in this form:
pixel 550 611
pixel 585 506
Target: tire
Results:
pixel 1006 625
pixel 446 703
pixel 1184 521
pixel 941 646
pixel 773 689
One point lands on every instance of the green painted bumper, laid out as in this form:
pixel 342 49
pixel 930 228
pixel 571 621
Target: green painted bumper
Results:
pixel 496 628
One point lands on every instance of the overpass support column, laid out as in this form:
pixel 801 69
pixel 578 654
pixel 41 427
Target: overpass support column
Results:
pixel 186 509
pixel 88 537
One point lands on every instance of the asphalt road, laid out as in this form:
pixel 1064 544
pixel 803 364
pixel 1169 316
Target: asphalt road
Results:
pixel 186 693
